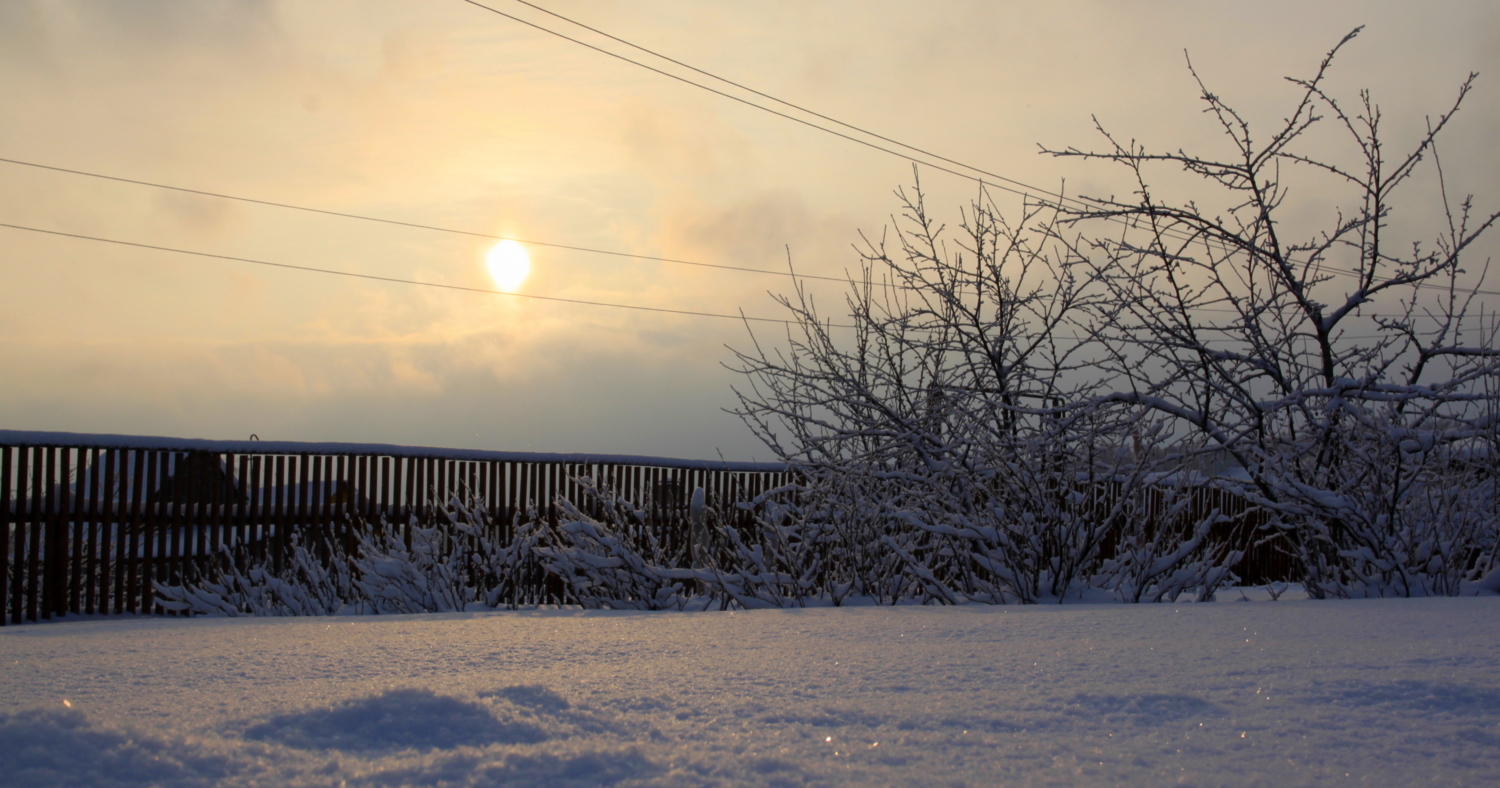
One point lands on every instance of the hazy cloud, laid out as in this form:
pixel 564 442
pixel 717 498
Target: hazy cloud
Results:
pixel 437 113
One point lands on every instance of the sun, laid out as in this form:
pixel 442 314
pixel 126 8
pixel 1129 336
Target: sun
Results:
pixel 508 264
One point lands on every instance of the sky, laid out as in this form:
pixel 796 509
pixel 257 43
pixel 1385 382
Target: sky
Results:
pixel 441 113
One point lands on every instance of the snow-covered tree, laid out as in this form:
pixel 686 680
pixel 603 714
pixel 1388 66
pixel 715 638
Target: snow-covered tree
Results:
pixel 1342 377
pixel 1032 406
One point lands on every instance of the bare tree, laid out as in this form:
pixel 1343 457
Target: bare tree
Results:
pixel 940 432
pixel 1339 379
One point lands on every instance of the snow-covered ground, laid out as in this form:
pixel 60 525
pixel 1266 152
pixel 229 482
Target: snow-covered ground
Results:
pixel 1373 692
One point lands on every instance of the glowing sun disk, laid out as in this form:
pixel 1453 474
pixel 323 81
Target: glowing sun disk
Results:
pixel 508 264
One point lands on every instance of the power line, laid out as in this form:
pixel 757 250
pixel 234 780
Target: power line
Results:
pixel 1024 190
pixel 798 107
pixel 400 223
pixel 462 288
pixel 395 280
pixel 631 255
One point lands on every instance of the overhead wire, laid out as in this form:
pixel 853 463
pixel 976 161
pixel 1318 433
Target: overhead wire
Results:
pixel 1029 191
pixel 402 223
pixel 856 140
pixel 397 280
pixel 1021 189
pixel 397 222
pixel 800 108
pixel 463 288
pixel 417 225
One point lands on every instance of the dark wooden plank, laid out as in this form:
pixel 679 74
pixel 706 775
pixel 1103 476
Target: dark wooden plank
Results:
pixel 427 469
pixel 29 512
pixel 81 593
pixel 387 503
pixel 7 528
pixel 179 522
pixel 282 517
pixel 601 473
pixel 655 510
pixel 224 504
pixel 582 471
pixel 54 543
pixel 20 563
pixel 476 482
pixel 136 530
pixel 117 500
pixel 342 507
pixel 263 530
pixel 403 488
pixel 152 536
pixel 374 512
pixel 553 489
pixel 495 503
pixel 539 490
pixel 99 532
pixel 361 499
pixel 520 495
pixel 331 521
pixel 177 526
pixel 108 532
pixel 66 592
pixel 463 480
pixel 473 476
pixel 185 537
pixel 117 520
pixel 36 517
pixel 321 523
pixel 458 484
pixel 511 473
pixel 304 497
pixel 460 480
pixel 208 484
pixel 256 492
pixel 400 492
pixel 535 503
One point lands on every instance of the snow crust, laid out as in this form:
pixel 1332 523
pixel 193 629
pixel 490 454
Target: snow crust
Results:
pixel 1286 693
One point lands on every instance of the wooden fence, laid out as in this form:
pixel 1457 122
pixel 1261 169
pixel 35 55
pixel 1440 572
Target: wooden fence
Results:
pixel 89 525
pixel 89 528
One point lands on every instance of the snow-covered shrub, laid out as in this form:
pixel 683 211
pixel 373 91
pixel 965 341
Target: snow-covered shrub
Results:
pixel 455 562
pixel 1164 548
pixel 778 559
pixel 611 559
pixel 607 554
pixel 1398 515
pixel 305 585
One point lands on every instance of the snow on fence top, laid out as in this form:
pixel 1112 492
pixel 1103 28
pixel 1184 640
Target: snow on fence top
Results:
pixel 106 441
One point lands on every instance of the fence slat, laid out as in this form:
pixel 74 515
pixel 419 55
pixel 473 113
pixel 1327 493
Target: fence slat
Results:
pixel 7 520
pixel 176 475
pixel 36 519
pixel 20 563
pixel 149 534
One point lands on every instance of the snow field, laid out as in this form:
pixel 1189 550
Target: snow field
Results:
pixel 1288 693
